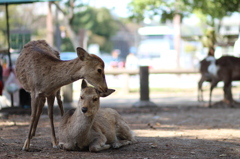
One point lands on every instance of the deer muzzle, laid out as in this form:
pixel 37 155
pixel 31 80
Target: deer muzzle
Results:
pixel 84 109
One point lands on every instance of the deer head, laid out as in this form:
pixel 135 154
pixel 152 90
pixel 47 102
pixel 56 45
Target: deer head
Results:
pixel 93 70
pixel 89 99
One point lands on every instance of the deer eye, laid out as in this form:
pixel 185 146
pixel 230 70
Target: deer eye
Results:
pixel 81 97
pixel 95 99
pixel 99 71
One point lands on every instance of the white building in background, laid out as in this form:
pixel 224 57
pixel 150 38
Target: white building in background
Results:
pixel 156 48
pixel 236 47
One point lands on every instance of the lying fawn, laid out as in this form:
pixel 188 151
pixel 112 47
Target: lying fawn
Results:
pixel 87 126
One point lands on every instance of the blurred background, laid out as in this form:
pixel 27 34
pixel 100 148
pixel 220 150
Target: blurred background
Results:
pixel 170 37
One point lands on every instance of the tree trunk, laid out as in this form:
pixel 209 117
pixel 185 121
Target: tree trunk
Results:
pixel 49 25
pixel 72 36
pixel 177 36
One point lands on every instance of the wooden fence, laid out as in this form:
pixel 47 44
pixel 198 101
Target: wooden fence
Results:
pixel 151 71
pixel 126 73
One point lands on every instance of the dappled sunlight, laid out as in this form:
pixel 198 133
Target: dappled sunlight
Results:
pixel 13 123
pixel 207 134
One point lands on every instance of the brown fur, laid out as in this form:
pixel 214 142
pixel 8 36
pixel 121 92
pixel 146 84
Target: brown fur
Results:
pixel 96 129
pixel 229 70
pixel 42 74
pixel 205 76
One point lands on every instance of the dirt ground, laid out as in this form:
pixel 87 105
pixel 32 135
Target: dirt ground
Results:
pixel 162 132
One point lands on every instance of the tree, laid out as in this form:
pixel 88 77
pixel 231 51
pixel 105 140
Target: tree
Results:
pixel 165 9
pixel 20 19
pixel 211 12
pixel 99 22
pixel 208 10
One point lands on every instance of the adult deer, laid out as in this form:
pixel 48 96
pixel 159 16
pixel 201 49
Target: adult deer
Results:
pixel 42 74
pixel 203 69
pixel 205 75
pixel 226 69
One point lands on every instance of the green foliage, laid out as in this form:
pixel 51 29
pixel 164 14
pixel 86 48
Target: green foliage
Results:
pixel 141 9
pixel 207 10
pixel 100 24
pixel 189 48
pixel 22 17
pixel 67 46
pixel 209 38
pixel 166 9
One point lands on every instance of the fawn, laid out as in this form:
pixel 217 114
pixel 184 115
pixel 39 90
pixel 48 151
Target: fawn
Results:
pixel 92 127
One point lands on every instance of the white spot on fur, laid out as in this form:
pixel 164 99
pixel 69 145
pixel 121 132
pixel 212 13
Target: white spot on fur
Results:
pixel 198 66
pixel 213 69
pixel 210 59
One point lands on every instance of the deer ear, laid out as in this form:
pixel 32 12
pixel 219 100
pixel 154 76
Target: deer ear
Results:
pixel 105 94
pixel 82 54
pixel 84 84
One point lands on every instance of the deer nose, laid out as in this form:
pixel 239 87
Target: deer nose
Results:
pixel 84 109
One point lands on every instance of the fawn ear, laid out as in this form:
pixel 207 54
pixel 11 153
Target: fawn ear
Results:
pixel 105 94
pixel 82 54
pixel 84 84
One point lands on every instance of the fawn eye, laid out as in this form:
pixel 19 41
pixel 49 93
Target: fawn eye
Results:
pixel 81 97
pixel 95 99
pixel 99 71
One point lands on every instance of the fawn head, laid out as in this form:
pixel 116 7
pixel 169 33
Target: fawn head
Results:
pixel 93 70
pixel 89 98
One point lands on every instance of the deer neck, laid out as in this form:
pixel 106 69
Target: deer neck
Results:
pixel 82 124
pixel 69 71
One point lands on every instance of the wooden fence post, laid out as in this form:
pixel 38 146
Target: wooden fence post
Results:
pixel 67 93
pixel 144 89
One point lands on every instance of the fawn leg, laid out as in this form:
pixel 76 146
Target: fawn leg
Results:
pixel 99 143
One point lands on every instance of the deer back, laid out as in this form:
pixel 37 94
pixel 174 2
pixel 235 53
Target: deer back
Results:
pixel 229 67
pixel 38 67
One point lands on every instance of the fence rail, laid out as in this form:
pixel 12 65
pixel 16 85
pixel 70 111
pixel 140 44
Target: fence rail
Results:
pixel 118 71
pixel 126 73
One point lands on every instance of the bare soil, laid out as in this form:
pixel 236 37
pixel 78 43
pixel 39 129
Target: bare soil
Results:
pixel 162 132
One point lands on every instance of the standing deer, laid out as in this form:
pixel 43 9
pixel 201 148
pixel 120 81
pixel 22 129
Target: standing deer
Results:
pixel 226 69
pixel 42 74
pixel 205 75
pixel 58 93
pixel 87 126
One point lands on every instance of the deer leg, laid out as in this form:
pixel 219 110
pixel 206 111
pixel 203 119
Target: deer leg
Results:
pixel 120 143
pixel 228 92
pixel 50 101
pixel 38 114
pixel 35 103
pixel 98 143
pixel 125 136
pixel 213 85
pixel 60 104
pixel 200 91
